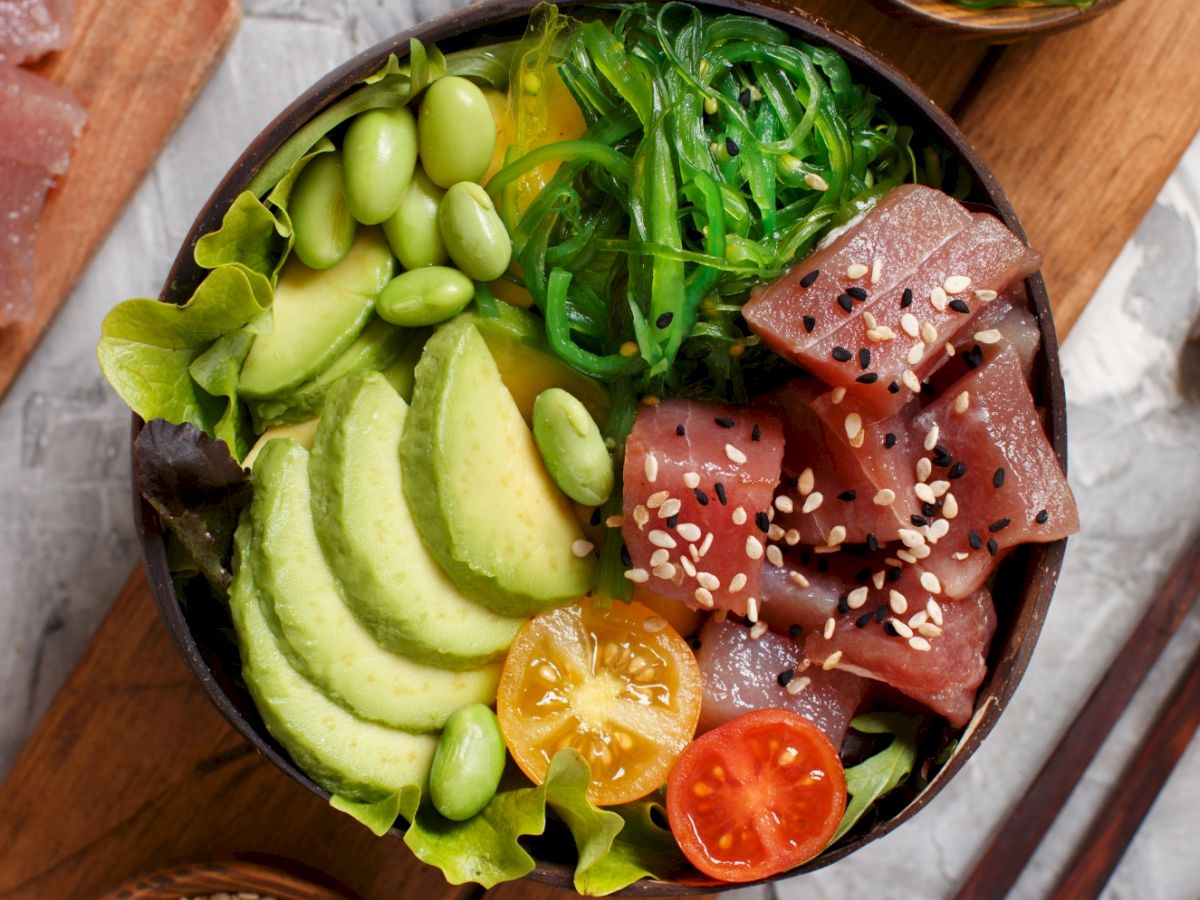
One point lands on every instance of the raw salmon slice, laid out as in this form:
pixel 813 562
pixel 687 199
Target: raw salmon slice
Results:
pixel 22 193
pixel 39 121
pixel 31 28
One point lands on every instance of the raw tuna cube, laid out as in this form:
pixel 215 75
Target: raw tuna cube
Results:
pixel 907 225
pixel 991 456
pixel 741 673
pixel 1014 324
pixel 699 478
pixel 39 121
pixel 32 28
pixel 22 193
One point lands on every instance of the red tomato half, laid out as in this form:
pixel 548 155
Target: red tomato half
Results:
pixel 757 796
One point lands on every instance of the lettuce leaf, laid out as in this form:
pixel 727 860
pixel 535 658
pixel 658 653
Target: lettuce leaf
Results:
pixel 216 371
pixel 641 849
pixel 249 235
pixel 876 775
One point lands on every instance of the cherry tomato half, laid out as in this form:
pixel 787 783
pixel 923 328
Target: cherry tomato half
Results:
pixel 757 796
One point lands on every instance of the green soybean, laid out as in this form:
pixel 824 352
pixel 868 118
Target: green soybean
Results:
pixel 424 296
pixel 572 447
pixel 381 153
pixel 467 764
pixel 475 237
pixel 322 228
pixel 456 131
pixel 413 230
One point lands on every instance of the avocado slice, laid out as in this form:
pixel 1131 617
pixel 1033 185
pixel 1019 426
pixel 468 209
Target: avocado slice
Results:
pixel 317 315
pixel 344 754
pixel 377 348
pixel 372 544
pixel 485 505
pixel 303 433
pixel 402 373
pixel 322 637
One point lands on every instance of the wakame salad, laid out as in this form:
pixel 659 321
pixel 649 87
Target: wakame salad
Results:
pixel 446 425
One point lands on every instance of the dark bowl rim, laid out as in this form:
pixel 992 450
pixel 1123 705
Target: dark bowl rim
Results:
pixel 1044 562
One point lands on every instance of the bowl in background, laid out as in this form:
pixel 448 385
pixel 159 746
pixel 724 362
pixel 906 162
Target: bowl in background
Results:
pixel 1002 25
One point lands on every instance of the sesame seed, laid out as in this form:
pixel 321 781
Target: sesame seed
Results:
pixel 918 643
pixel 924 469
pixel 701 497
pixel 784 503
pixel 791 537
pixel 916 353
pixel 956 284
pixel 691 479
pixel 863 620
pixel 885 497
pixel 659 556
pixel 928 333
pixel 759 629
pixel 973 357
pixel 1042 517
pixel 960 555
pixel 988 336
pixel 810 279
pixel 901 629
pixel 986 296
pixel 917 619
pixel 816 182
pixel 651 467
pixel 830 625
pixel 906 298
pixel 666 571
pixel 582 548
pixel 872 541
pixel 704 597
pixel 910 538
pixel 938 530
pixel 670 508
pixel 847 496
pixel 689 531
pixel 868 378
pixel 852 424
pixel 930 582
pixel 809 324
pixel 999 525
pixel 959 306
pixel 737 582
pixel 992 547
pixel 962 402
pixel 846 302
pixel 841 354
pixel 680 430
pixel 637 576
pixel 756 432
pixel 832 660
pixel 754 547
pixel 662 539
pixel 864 358
pixel 837 534
pixel 739 516
pixel 937 298
pixel 974 539
pixel 724 421
pixel 958 470
pixel 657 499
pixel 641 516
pixel 785 677
pixel 736 456
pixel 775 556
pixel 889 441
pixel 889 627
pixel 706 543
pixel 876 270
pixel 653 624
pixel 868 318
pixel 798 684
pixel 918 521
pixel 719 488
pixel 949 349
pixel 731 147
pixel 935 611
pixel 812 502
pixel 998 478
pixel 688 566
pixel 804 484
pixel 708 580
pixel 931 436
pixel 856 271
pixel 857 598
pixel 837 395
pixel 908 322
pixel 798 579
pixel 939 488
pixel 664 320
pixel 885 333
pixel 612 522
pixel 911 381
pixel 906 556
pixel 897 602
pixel 929 630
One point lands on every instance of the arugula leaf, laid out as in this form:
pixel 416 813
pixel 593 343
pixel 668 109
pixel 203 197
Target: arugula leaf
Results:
pixel 875 776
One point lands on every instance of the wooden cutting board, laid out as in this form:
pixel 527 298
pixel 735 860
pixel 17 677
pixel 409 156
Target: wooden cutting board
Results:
pixel 133 769
pixel 136 65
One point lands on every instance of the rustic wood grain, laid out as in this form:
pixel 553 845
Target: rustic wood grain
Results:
pixel 136 65
pixel 1015 840
pixel 1082 129
pixel 1011 23
pixel 231 876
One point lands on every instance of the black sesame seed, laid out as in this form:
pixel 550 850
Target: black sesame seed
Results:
pixel 993 547
pixel 626 560
pixel 841 354
pixel 890 629
pixel 974 357
pixel 1042 517
pixel 959 306
pixel 744 98
pixel 843 606
pixel 809 324
pixel 846 302
pixel 701 497
pixel 893 388
pixel 724 421
pixel 680 430
pixel 756 433
pixel 894 575
pixel 810 278
pixel 974 539
pixel 872 541
pixel 731 147
pixel 889 441
pixel 867 378
pixel 595 519
pixel 958 470
pixel 785 677
pixel 998 478
pixel 863 620
pixel 906 298
pixel 720 489
pixel 919 521
pixel 999 525
pixel 672 521
pixel 864 358
pixel 795 631
pixel 929 509
pixel 763 521
pixel 881 611
pixel 664 320
pixel 862 576
pixel 857 293
pixel 790 480
pixel 847 496
pixel 927 389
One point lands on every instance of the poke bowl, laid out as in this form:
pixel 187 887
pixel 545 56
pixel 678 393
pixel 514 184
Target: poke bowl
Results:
pixel 1000 24
pixel 200 625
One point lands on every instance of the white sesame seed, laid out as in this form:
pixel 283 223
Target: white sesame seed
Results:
pixel 909 537
pixel 582 548
pixel 956 284
pixel 930 582
pixel 704 597
pixel 812 502
pixel 670 508
pixel 948 348
pixel 852 424
pixel 935 611
pixel 885 497
pixel 832 660
pixel 736 456
pixel 706 543
pixel 693 553
pixel 837 535
pixel 928 333
pixel 659 556
pixel 837 395
pixel 775 533
pixel 929 630
pixel 856 270
pixel 791 537
pixel 922 551
pixel 691 479
pixel 938 298
pixel 775 556
pixel 960 555
pixel 798 579
pixel 641 516
pixel 909 323
pixel 874 336
pixel 637 576
pixel 737 582
pixel 708 580
pixel 931 436
pixel 878 579
pixel 919 643
pixel 689 531
pixel 924 493
pixel 885 333
pixel 831 549
pixel 687 566
pixel 654 624
pixel 858 439
pixel 754 547
pixel 962 402
pixel 898 602
pixel 784 503
pixel 901 629
pixel 894 563
pixel 666 571
pixel 739 516
pixel 911 381
pixel 939 487
pixel 816 182
pixel 917 619
pixel 869 320
pixel 924 468
pixel 657 499
pixel 758 630
pixel 804 484
pixel 986 296
pixel 796 685
pixel 857 598
pixel 876 270
pixel 651 467
pixel 988 336
pixel 916 353
pixel 906 556
pixel 830 624
pixel 661 539
pixel 613 522
pixel 938 530
pixel 751 609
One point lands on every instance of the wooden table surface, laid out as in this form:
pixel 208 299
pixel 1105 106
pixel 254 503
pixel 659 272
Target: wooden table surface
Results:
pixel 132 768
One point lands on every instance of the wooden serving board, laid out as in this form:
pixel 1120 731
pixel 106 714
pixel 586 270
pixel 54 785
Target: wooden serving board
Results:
pixel 133 769
pixel 136 65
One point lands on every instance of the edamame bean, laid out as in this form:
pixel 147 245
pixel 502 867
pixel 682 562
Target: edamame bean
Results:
pixel 467 764
pixel 424 296
pixel 380 152
pixel 456 131
pixel 572 448
pixel 322 228
pixel 474 236
pixel 413 230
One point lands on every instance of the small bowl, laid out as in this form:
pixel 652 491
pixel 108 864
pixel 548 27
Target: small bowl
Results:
pixel 200 629
pixel 999 26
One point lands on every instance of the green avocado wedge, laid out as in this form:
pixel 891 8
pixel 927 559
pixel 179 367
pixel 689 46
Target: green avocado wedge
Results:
pixel 344 754
pixel 371 540
pixel 317 315
pixel 324 639
pixel 487 509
